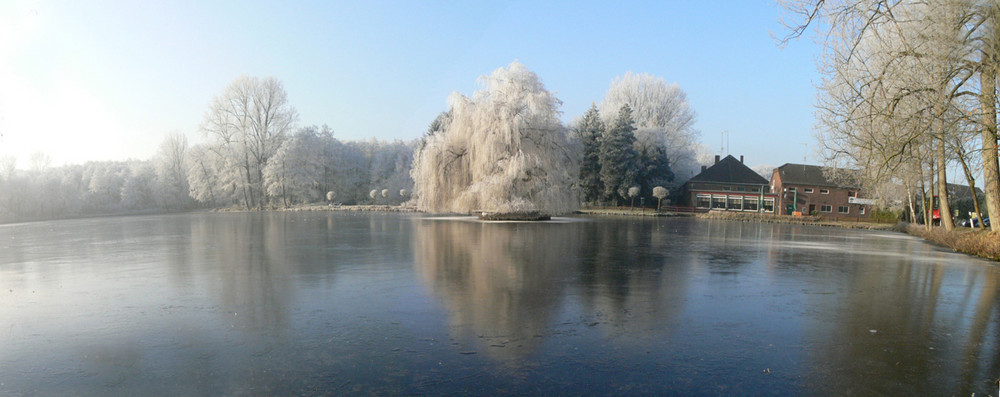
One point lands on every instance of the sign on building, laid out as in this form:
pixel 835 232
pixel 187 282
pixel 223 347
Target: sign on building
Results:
pixel 855 200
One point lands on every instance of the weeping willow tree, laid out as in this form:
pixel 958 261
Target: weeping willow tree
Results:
pixel 503 150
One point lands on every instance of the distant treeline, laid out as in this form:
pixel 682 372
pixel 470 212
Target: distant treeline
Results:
pixel 308 165
pixel 254 157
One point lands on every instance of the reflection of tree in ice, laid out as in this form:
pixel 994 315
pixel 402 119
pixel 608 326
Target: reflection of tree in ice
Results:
pixel 501 282
pixel 503 150
pixel 251 258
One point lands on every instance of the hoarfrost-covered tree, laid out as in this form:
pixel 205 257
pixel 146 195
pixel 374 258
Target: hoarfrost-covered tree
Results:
pixel 292 175
pixel 247 124
pixel 504 150
pixel 590 130
pixel 373 193
pixel 385 193
pixel 172 171
pixel 904 81
pixel 633 192
pixel 207 171
pixel 618 158
pixel 331 195
pixel 663 118
pixel 660 193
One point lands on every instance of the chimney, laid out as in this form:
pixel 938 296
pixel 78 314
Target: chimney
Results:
pixel 703 168
pixel 741 159
pixel 716 159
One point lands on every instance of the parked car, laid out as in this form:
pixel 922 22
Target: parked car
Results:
pixel 975 222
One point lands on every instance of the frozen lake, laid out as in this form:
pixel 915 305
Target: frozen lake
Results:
pixel 335 303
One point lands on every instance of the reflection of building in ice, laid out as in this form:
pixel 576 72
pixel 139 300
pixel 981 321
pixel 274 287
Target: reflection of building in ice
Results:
pixel 501 282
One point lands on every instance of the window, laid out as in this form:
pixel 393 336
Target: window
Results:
pixel 861 210
pixel 791 189
pixel 809 190
pixel 719 203
pixel 703 201
pixel 826 208
pixel 824 191
pixel 740 189
pixel 851 194
pixel 750 203
pixel 727 188
pixel 735 203
pixel 843 209
pixel 769 204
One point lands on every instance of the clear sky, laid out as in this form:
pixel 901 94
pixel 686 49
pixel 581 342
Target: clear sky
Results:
pixel 98 80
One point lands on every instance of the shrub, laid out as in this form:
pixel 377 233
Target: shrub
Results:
pixel 886 215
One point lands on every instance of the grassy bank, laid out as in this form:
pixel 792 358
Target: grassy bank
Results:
pixel 985 244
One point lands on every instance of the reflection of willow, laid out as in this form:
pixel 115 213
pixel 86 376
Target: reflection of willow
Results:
pixel 500 281
pixel 248 252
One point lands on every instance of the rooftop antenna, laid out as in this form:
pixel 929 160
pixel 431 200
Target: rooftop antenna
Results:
pixel 805 151
pixel 724 142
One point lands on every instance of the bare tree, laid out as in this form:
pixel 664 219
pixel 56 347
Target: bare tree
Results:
pixel 899 76
pixel 172 171
pixel 248 123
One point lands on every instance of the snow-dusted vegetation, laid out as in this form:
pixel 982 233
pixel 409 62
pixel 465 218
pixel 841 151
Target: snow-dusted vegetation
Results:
pixel 502 150
pixel 306 167
pixel 663 119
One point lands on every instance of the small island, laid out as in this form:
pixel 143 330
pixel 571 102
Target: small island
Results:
pixel 514 216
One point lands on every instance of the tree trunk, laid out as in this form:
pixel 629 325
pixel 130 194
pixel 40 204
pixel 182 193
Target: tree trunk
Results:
pixel 926 196
pixel 988 101
pixel 909 200
pixel 942 182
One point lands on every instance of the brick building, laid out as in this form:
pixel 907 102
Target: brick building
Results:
pixel 729 185
pixel 808 190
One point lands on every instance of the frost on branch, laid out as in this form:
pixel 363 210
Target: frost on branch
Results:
pixel 503 150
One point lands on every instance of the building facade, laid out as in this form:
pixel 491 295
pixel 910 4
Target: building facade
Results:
pixel 807 190
pixel 729 185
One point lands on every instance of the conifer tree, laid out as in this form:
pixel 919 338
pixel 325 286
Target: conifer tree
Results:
pixel 618 158
pixel 590 130
pixel 654 168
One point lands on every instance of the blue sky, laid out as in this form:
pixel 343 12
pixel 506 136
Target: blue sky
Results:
pixel 97 80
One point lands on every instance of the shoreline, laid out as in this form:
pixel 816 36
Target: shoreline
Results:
pixel 975 242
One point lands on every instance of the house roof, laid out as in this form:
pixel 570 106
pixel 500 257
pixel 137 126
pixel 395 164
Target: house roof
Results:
pixel 730 170
pixel 959 192
pixel 804 174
